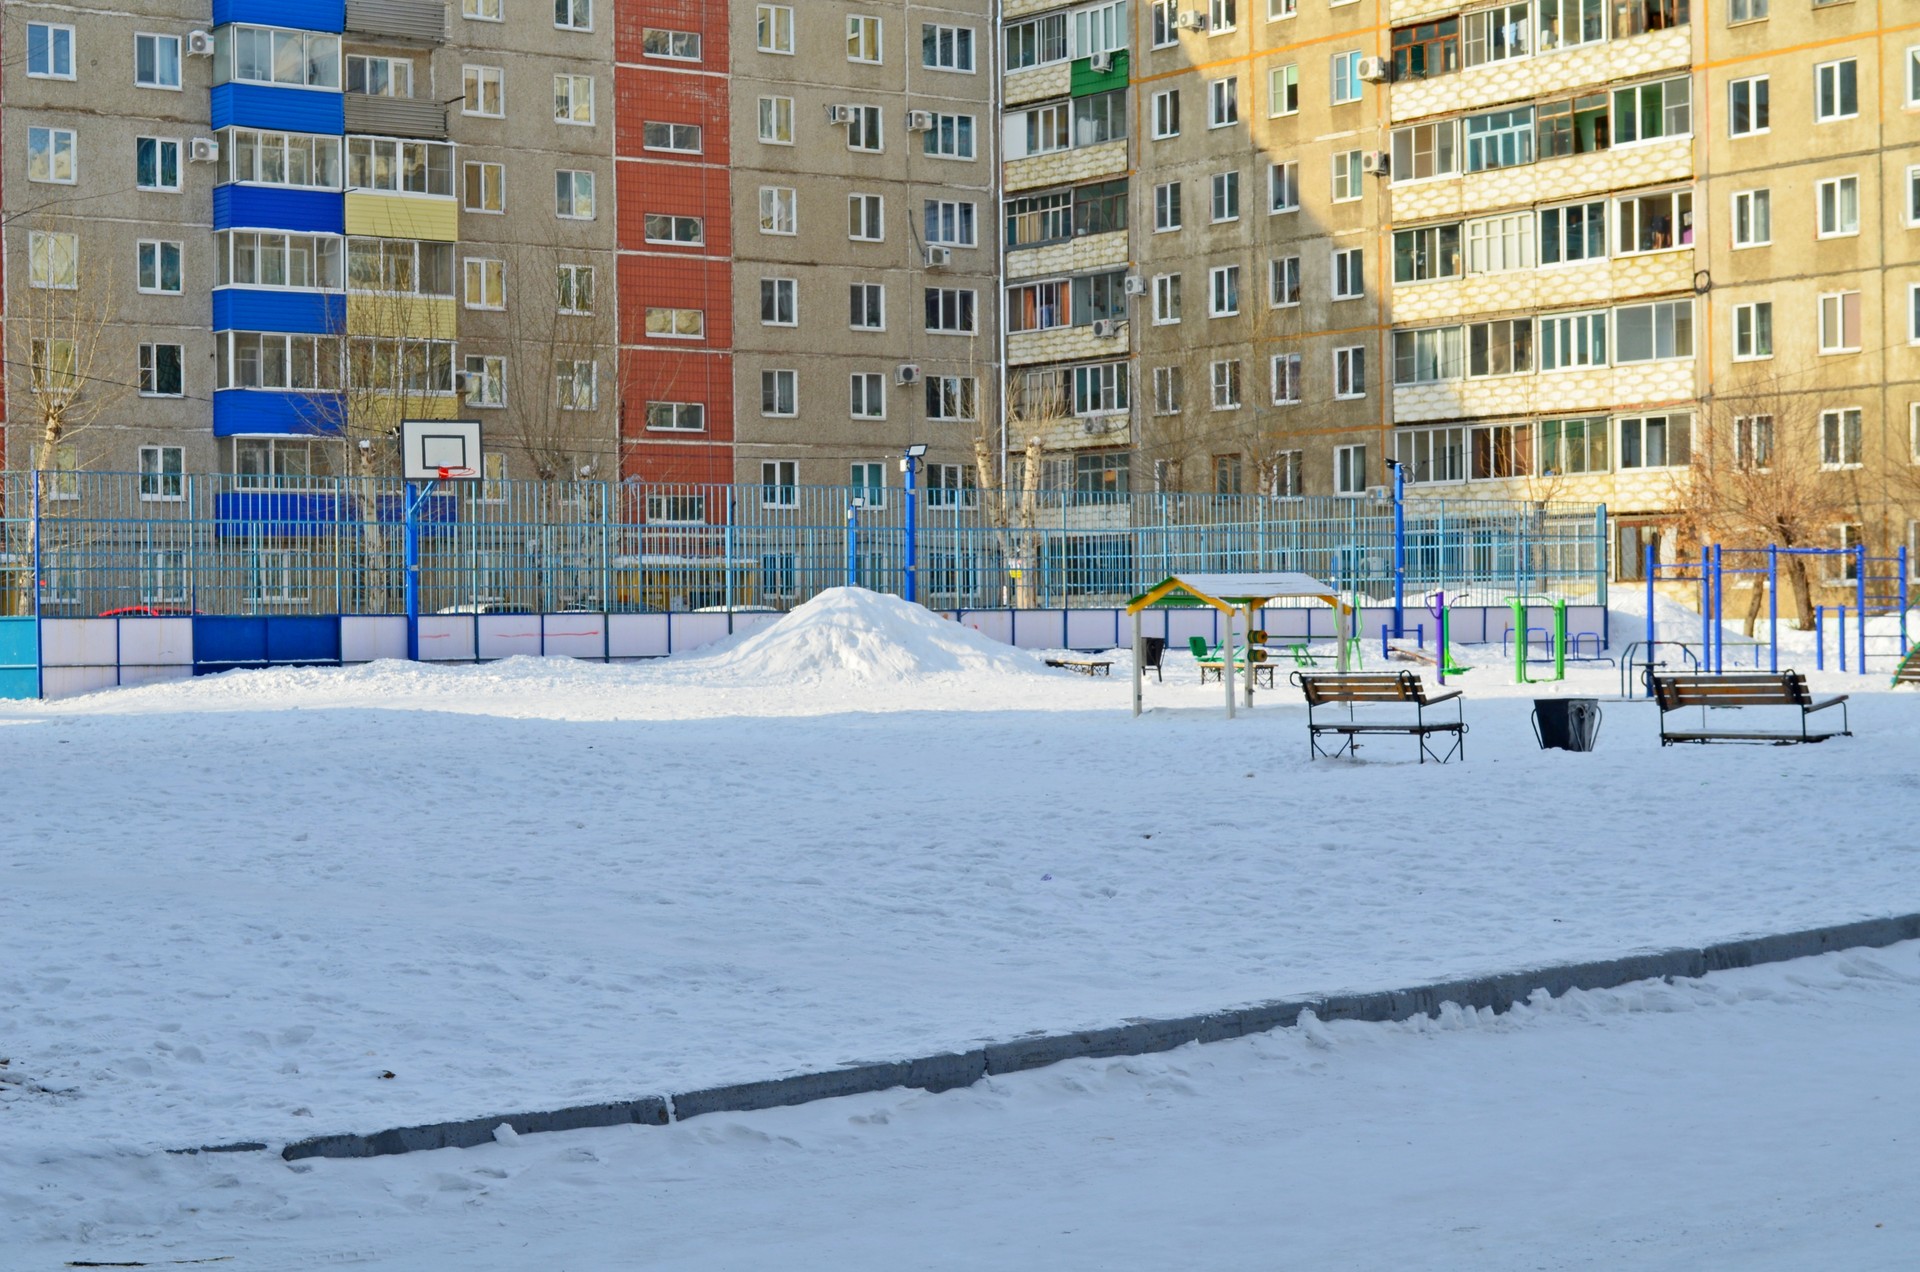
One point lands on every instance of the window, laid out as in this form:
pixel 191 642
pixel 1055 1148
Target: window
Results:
pixel 1577 232
pixel 946 48
pixel 1222 15
pixel 1227 473
pixel 1501 347
pixel 1747 107
pixel 1283 90
pixel 54 366
pixel 573 285
pixel 1651 333
pixel 1283 187
pixel 1350 470
pixel 1226 196
pixel 1283 282
pixel 1100 389
pixel 776 121
pixel 1350 371
pixel 159 267
pixel 1840 322
pixel 1223 291
pixel 394 266
pixel 682 139
pixel 863 129
pixel 1278 9
pixel 1500 244
pixel 1656 441
pixel 272 360
pixel 950 310
pixel 1913 76
pixel 666 323
pixel 482 10
pixel 1099 479
pixel 1037 41
pixel 1573 341
pixel 1753 441
pixel 1038 306
pixel 400 167
pixel 779 393
pixel 51 155
pixel 485 187
pixel 263 55
pixel 951 397
pixel 1753 331
pixel 779 210
pixel 867 307
pixel 1165 110
pixel 1577 126
pixel 951 137
pixel 1349 281
pixel 1654 222
pixel 1494 35
pixel 486 381
pixel 1746 10
pixel 1429 356
pixel 662 227
pixel 1635 17
pixel 379 76
pixel 156 61
pixel 49 51
pixel 1752 218
pixel 869 482
pixel 779 479
pixel 1847 537
pixel 53 260
pixel 576 384
pixel 485 91
pixel 867 395
pixel 1499 139
pixel 156 163
pixel 863 39
pixel 1285 372
pixel 1223 102
pixel 1839 205
pixel 573 99
pixel 865 216
pixel 1166 19
pixel 1225 375
pixel 677 417
pixel 1166 207
pixel 773 25
pixel 949 223
pixel 1425 150
pixel 1169 390
pixel 1426 50
pixel 162 472
pixel 779 302
pixel 162 371
pixel 1431 454
pixel 1166 298
pixel 1644 112
pixel 679 46
pixel 573 15
pixel 1566 23
pixel 1346 176
pixel 1836 90
pixel 1346 77
pixel 573 195
pixel 1425 254
pixel 252 258
pixel 277 158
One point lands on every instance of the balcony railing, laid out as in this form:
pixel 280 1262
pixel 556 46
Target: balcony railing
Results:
pixel 422 20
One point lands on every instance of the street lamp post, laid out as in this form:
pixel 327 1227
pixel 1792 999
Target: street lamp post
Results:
pixel 910 465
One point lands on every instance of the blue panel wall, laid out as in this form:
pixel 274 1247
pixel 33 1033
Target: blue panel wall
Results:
pixel 307 15
pixel 303 639
pixel 306 110
pixel 19 658
pixel 251 309
pixel 248 207
pixel 238 411
pixel 223 643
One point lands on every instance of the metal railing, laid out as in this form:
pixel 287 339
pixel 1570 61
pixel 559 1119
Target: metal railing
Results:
pixel 95 543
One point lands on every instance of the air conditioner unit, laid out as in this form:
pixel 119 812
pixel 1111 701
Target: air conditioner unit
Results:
pixel 1379 494
pixel 1134 285
pixel 1374 70
pixel 1191 20
pixel 1106 328
pixel 1095 426
pixel 839 114
pixel 919 121
pixel 906 373
pixel 1100 63
pixel 939 257
pixel 199 44
pixel 1374 162
pixel 203 150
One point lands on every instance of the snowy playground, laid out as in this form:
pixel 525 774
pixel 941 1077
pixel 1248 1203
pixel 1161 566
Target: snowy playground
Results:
pixel 270 905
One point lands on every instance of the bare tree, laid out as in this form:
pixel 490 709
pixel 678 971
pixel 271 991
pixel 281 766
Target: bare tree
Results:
pixel 557 323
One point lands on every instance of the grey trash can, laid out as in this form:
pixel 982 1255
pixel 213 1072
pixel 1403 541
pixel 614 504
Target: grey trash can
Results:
pixel 1566 724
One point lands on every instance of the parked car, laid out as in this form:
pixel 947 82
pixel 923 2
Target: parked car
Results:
pixel 150 611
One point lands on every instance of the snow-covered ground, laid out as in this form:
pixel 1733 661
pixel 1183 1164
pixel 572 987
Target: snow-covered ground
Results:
pixel 231 905
pixel 1754 1121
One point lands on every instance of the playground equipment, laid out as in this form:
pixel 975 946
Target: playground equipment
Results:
pixel 1523 636
pixel 1443 663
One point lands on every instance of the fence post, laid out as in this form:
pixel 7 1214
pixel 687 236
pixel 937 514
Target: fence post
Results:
pixel 1840 631
pixel 1773 607
pixel 1860 594
pixel 1819 638
pixel 39 629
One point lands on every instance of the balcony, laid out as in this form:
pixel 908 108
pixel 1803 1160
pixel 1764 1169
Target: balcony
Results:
pixel 395 116
pixel 422 21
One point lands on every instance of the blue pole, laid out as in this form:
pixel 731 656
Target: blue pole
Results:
pixel 853 530
pixel 1719 613
pixel 412 511
pixel 1399 550
pixel 1706 610
pixel 39 627
pixel 1651 568
pixel 1773 607
pixel 1860 593
pixel 1819 638
pixel 1840 632
pixel 1903 600
pixel 912 585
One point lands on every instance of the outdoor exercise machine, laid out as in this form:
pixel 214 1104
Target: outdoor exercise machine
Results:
pixel 1523 636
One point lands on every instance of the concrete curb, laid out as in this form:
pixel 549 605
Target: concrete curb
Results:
pixel 1138 1037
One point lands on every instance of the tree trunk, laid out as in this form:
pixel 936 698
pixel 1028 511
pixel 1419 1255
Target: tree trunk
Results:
pixel 1755 601
pixel 1802 592
pixel 1026 588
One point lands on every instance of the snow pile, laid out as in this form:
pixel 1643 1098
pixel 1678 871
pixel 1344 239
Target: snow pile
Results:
pixel 848 634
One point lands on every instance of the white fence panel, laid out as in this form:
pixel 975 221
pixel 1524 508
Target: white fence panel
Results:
pixel 576 635
pixel 636 635
pixel 1097 629
pixel 363 639
pixel 446 638
pixel 156 642
pixel 79 642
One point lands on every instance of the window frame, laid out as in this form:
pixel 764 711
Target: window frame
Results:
pixel 1752 328
pixel 53 29
pixel 179 70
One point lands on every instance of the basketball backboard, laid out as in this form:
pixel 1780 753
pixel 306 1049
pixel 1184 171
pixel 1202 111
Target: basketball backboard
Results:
pixel 431 450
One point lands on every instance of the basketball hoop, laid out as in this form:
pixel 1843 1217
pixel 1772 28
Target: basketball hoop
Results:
pixel 455 474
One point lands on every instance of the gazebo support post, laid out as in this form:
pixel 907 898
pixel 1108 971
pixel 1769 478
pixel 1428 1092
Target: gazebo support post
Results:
pixel 1137 677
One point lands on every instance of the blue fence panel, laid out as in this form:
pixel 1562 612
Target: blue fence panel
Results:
pixel 19 658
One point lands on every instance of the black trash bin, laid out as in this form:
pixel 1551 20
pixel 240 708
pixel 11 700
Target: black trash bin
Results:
pixel 1566 724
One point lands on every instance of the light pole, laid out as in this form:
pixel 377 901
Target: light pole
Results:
pixel 1399 547
pixel 853 540
pixel 910 465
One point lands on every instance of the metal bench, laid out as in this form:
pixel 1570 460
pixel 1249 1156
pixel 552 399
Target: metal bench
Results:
pixel 1745 689
pixel 1377 689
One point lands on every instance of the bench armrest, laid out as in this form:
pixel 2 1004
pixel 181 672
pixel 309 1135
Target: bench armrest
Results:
pixel 1822 706
pixel 1455 693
